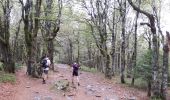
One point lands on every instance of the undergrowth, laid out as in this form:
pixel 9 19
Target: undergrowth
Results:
pixel 88 69
pixel 6 77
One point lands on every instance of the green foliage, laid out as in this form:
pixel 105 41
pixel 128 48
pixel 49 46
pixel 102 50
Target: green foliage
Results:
pixel 18 66
pixel 1 66
pixel 139 83
pixel 155 98
pixel 88 69
pixel 5 77
pixel 144 68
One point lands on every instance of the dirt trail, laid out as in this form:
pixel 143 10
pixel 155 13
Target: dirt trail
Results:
pixel 92 87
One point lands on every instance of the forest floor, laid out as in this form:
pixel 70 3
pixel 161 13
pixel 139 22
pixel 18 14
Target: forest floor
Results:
pixel 93 86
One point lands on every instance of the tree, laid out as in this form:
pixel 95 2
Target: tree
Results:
pixel 6 53
pixel 134 55
pixel 165 68
pixel 122 9
pixel 31 27
pixel 155 49
pixel 51 27
pixel 112 27
pixel 98 21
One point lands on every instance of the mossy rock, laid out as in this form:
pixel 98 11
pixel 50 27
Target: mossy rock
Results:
pixel 62 84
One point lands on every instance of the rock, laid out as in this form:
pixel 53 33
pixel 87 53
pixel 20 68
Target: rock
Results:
pixel 28 86
pixel 62 84
pixel 132 98
pixel 106 98
pixel 37 92
pixel 68 98
pixel 48 98
pixel 111 98
pixel 98 95
pixel 64 94
pixel 71 94
pixel 89 86
pixel 90 90
pixel 103 89
pixel 61 76
pixel 37 98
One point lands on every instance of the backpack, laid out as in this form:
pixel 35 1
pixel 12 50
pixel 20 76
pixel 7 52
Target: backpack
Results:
pixel 44 63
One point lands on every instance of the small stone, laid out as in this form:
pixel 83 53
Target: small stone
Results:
pixel 27 86
pixel 98 95
pixel 8 92
pixel 36 92
pixel 37 98
pixel 68 98
pixel 71 94
pixel 48 98
pixel 132 98
pixel 103 89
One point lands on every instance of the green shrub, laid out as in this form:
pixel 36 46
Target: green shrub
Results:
pixel 139 83
pixel 18 66
pixel 143 69
pixel 5 77
pixel 88 69
pixel 1 66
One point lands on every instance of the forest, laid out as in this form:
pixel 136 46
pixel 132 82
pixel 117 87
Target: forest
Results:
pixel 124 40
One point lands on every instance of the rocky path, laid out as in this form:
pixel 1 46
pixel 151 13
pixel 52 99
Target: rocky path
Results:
pixel 92 87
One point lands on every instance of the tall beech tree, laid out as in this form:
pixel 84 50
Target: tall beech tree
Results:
pixel 6 53
pixel 155 50
pixel 98 14
pixel 165 69
pixel 122 9
pixel 51 27
pixel 134 55
pixel 30 16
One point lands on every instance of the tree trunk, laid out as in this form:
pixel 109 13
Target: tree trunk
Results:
pixel 99 19
pixel 113 44
pixel 165 69
pixel 52 33
pixel 51 52
pixel 123 14
pixel 50 44
pixel 135 47
pixel 8 63
pixel 31 27
pixel 6 53
pixel 108 71
pixel 32 51
pixel 149 88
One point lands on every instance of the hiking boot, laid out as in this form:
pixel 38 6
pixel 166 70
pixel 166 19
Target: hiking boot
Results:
pixel 44 82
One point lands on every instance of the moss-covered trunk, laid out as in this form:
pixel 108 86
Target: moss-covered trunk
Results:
pixel 6 53
pixel 31 27
pixel 8 62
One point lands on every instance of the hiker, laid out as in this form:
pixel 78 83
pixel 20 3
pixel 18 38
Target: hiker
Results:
pixel 75 68
pixel 45 65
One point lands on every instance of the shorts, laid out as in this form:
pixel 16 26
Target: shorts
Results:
pixel 45 71
pixel 75 73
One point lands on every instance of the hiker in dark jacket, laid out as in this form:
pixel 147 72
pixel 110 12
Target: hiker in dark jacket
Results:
pixel 45 64
pixel 75 68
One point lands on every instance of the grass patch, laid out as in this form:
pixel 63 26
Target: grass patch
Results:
pixel 1 66
pixel 88 69
pixel 6 77
pixel 139 83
